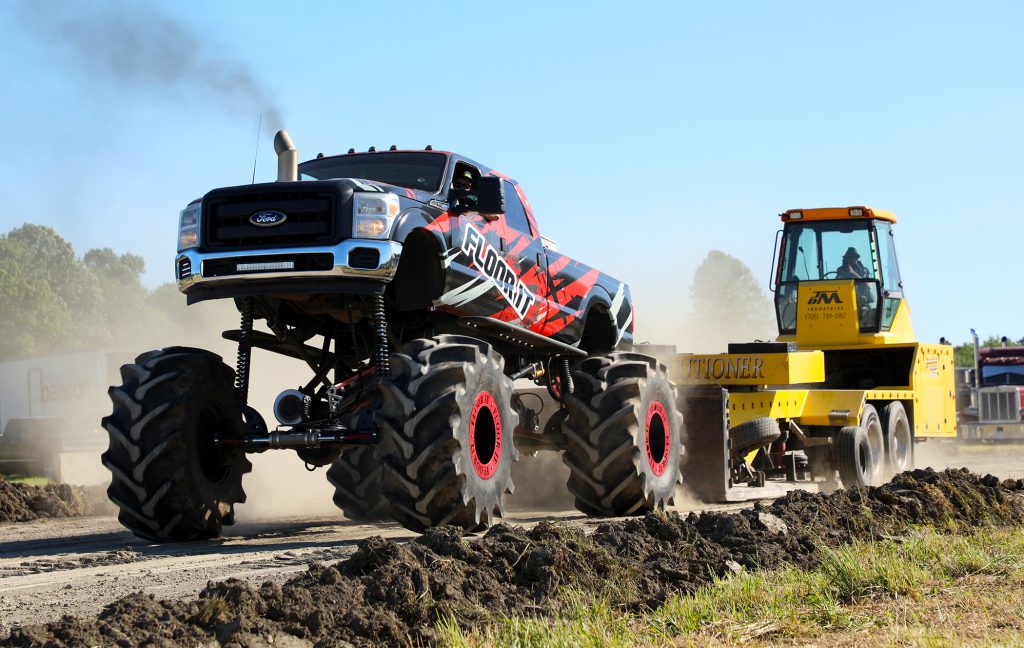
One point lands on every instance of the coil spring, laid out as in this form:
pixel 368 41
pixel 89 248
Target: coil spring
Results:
pixel 380 328
pixel 244 351
pixel 567 385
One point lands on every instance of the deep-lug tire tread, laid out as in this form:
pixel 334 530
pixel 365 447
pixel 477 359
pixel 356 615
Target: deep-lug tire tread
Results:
pixel 423 452
pixel 356 476
pixel 606 456
pixel 156 482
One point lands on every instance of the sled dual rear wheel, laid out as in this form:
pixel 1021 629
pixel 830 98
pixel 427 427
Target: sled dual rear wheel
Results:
pixel 624 435
pixel 860 451
pixel 169 480
pixel 446 424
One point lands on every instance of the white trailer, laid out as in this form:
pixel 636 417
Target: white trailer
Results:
pixel 51 407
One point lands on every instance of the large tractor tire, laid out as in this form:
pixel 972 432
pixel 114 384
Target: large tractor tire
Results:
pixel 170 482
pixel 356 477
pixel 446 425
pixel 899 438
pixel 624 435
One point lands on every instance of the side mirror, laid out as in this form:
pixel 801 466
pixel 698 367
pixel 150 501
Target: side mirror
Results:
pixel 490 195
pixel 487 197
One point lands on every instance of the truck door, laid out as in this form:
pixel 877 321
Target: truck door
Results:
pixel 492 265
pixel 524 253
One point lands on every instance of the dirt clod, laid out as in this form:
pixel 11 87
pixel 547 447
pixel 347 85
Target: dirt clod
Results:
pixel 24 503
pixel 393 594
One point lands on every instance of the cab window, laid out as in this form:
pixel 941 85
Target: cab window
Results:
pixel 515 214
pixel 892 286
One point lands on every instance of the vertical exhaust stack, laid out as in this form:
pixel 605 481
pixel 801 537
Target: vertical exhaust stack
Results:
pixel 287 157
pixel 977 358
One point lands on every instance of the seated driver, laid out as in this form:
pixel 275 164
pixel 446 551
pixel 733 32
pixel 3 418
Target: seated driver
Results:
pixel 463 180
pixel 852 268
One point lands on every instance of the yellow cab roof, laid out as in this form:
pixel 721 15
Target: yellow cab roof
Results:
pixel 836 213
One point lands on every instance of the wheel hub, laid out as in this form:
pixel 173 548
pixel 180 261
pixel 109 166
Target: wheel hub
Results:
pixel 485 435
pixel 658 438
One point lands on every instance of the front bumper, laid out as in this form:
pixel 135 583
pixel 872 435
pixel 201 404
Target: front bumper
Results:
pixel 990 431
pixel 352 259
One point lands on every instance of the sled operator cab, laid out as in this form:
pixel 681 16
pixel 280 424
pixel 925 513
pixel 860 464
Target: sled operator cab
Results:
pixel 837 282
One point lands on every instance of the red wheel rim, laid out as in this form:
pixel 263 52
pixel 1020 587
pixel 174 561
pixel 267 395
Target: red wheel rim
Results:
pixel 485 435
pixel 657 426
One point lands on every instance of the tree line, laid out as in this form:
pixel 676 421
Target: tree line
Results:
pixel 55 301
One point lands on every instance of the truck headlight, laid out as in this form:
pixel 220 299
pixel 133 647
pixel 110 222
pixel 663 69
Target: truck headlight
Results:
pixel 373 214
pixel 188 227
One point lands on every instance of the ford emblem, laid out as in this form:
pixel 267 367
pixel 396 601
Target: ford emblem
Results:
pixel 268 218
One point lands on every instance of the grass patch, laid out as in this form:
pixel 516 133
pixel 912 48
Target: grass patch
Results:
pixel 929 588
pixel 30 480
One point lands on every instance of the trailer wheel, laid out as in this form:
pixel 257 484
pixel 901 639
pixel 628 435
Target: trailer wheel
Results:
pixel 854 457
pixel 170 482
pixel 624 435
pixel 356 477
pixel 899 439
pixel 446 425
pixel 872 425
pixel 753 434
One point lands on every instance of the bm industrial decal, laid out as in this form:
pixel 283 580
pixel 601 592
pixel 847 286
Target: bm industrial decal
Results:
pixel 488 261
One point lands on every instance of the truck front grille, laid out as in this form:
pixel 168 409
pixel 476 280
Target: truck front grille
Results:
pixel 311 219
pixel 268 263
pixel 999 404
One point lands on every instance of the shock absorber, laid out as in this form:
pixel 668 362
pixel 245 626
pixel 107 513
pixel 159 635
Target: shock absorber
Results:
pixel 244 351
pixel 380 328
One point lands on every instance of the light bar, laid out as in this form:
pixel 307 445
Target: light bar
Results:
pixel 857 211
pixel 265 265
pixel 795 215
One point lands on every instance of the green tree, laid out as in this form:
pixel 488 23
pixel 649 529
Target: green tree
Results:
pixel 727 305
pixel 32 317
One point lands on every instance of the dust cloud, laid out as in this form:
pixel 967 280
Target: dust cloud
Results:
pixel 279 485
pixel 540 483
pixel 143 50
pixel 726 304
pixel 1000 459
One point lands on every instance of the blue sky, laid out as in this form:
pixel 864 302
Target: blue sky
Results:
pixel 644 134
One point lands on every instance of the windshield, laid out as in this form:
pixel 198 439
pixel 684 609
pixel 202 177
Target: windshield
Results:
pixel 828 250
pixel 413 170
pixel 1002 375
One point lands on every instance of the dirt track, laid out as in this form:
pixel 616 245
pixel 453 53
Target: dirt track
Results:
pixel 78 565
pixel 71 565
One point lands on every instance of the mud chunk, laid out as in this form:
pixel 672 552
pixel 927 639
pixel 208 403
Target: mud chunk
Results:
pixel 772 524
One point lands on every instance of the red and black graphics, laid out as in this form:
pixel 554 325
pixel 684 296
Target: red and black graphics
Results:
pixel 578 292
pixel 490 271
pixel 496 267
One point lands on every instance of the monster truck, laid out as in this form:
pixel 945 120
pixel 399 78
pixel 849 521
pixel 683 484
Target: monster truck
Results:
pixel 417 287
